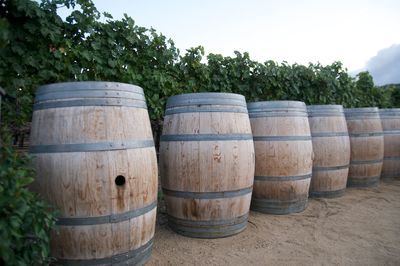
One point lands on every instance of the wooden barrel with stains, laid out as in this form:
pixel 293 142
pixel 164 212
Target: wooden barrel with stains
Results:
pixel 207 164
pixel 390 119
pixel 283 149
pixel 366 145
pixel 331 147
pixel 96 163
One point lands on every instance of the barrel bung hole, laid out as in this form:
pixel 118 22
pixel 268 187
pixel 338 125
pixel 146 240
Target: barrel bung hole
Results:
pixel 120 180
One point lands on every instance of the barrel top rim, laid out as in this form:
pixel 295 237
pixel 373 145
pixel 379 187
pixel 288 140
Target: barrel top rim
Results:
pixel 389 110
pixel 325 106
pixel 211 98
pixel 361 110
pixel 87 85
pixel 270 105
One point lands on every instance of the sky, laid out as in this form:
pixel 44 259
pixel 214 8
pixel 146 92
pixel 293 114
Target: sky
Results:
pixel 353 32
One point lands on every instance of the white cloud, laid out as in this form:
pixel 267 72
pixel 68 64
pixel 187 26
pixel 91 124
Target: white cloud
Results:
pixel 385 66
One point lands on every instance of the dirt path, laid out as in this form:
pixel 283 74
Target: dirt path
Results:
pixel 360 228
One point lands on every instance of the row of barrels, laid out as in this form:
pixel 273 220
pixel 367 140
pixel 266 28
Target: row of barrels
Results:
pixel 96 163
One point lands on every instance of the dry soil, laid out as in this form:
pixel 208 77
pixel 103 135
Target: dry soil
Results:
pixel 360 228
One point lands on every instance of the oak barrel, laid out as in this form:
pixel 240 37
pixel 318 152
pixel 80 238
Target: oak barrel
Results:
pixel 390 119
pixel 366 145
pixel 207 164
pixel 96 163
pixel 283 149
pixel 331 147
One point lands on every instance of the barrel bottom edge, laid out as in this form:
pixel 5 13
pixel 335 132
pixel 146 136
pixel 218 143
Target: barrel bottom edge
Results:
pixel 328 194
pixel 139 256
pixel 363 182
pixel 390 176
pixel 208 229
pixel 278 207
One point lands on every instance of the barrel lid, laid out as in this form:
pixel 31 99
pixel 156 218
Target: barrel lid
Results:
pixel 93 93
pixel 276 106
pixel 363 111
pixel 206 98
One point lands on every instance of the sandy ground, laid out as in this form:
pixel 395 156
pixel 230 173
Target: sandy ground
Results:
pixel 360 228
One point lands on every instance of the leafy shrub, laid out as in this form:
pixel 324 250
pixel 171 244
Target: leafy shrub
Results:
pixel 25 220
pixel 38 47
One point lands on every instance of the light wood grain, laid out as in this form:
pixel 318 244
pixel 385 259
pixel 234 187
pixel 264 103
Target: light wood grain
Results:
pixel 329 151
pixel 208 165
pixel 391 128
pixel 82 184
pixel 281 158
pixel 365 148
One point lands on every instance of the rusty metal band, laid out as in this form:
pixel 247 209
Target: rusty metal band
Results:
pixel 311 115
pixel 206 137
pixel 282 138
pixel 329 134
pixel 391 158
pixel 327 194
pixel 106 219
pixel 193 99
pixel 253 114
pixel 365 161
pixel 89 85
pixel 282 178
pixel 277 106
pixel 90 102
pixel 392 174
pixel 279 206
pixel 363 135
pixel 91 94
pixel 206 109
pixel 391 132
pixel 376 116
pixel 363 181
pixel 92 147
pixel 133 257
pixel 208 228
pixel 330 168
pixel 208 195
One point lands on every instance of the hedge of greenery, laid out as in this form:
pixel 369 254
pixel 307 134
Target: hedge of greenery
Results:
pixel 25 220
pixel 37 47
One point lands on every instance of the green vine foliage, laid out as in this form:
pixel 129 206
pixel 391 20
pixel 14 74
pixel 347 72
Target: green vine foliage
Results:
pixel 25 220
pixel 38 47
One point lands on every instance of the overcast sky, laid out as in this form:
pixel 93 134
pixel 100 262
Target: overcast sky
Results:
pixel 305 31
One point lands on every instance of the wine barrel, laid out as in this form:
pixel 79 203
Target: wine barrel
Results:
pixel 331 147
pixel 207 164
pixel 283 149
pixel 366 145
pixel 390 119
pixel 96 163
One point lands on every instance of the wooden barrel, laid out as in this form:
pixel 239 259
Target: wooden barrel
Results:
pixel 283 149
pixel 207 164
pixel 390 119
pixel 331 147
pixel 96 163
pixel 366 145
